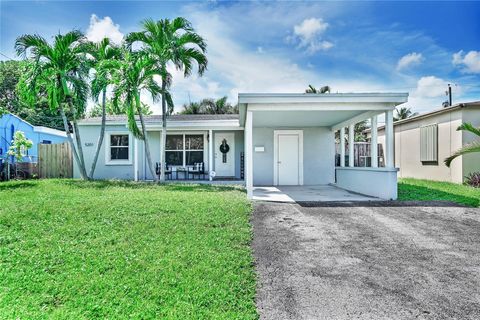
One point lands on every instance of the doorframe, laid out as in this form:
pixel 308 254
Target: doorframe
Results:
pixel 232 150
pixel 276 133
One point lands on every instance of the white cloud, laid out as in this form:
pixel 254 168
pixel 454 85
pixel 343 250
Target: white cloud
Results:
pixel 470 61
pixel 409 60
pixel 308 33
pixel 101 28
pixel 430 87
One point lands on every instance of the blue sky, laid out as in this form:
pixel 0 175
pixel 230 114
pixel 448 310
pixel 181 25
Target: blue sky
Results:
pixel 417 47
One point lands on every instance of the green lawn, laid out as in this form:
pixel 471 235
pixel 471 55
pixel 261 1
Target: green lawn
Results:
pixel 426 190
pixel 86 250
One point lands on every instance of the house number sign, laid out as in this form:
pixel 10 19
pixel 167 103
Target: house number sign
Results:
pixel 224 148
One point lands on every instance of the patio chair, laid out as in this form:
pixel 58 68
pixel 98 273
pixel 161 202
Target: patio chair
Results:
pixel 168 171
pixel 198 170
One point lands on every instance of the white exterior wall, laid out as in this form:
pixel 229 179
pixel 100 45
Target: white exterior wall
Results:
pixel 90 133
pixel 407 148
pixel 318 155
pixel 375 182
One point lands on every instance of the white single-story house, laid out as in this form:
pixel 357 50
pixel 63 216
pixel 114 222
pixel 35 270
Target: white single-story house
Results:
pixel 423 142
pixel 275 140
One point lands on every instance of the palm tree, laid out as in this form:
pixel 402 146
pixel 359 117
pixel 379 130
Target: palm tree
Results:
pixel 404 113
pixel 219 106
pixel 104 61
pixel 312 89
pixel 61 68
pixel 136 74
pixel 468 148
pixel 192 108
pixel 170 42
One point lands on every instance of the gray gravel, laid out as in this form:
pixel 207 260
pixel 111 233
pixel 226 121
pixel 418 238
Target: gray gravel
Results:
pixel 367 261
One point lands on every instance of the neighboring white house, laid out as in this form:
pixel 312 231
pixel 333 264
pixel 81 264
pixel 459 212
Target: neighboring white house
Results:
pixel 423 142
pixel 277 139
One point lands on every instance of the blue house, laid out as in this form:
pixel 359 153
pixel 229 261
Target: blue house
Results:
pixel 10 123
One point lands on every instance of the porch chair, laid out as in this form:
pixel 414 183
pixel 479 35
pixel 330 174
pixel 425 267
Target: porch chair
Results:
pixel 168 171
pixel 198 169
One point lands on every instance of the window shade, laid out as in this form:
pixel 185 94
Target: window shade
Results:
pixel 429 143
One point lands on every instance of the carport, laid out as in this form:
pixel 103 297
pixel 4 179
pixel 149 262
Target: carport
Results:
pixel 290 141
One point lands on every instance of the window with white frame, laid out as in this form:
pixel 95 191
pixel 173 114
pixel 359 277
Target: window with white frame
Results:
pixel 118 148
pixel 184 149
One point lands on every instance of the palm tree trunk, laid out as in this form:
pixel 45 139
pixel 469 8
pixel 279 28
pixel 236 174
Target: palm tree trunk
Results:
pixel 102 134
pixel 164 134
pixel 145 138
pixel 78 139
pixel 72 145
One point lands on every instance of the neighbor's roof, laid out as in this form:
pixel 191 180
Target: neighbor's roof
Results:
pixel 157 118
pixel 434 113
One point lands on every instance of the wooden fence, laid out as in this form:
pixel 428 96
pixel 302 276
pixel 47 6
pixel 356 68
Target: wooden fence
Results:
pixel 55 161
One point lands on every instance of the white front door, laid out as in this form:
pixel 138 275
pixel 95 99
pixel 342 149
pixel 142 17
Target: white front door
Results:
pixel 289 159
pixel 225 161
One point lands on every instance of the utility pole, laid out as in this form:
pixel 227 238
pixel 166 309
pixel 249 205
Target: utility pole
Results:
pixel 449 93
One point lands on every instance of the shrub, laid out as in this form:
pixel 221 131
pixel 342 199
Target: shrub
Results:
pixel 473 179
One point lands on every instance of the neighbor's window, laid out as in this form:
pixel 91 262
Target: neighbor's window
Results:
pixel 184 149
pixel 119 147
pixel 429 144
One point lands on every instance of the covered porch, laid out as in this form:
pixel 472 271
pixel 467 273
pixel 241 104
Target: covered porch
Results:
pixel 290 141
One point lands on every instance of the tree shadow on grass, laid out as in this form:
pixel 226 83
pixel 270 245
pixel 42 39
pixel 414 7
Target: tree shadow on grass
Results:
pixel 186 187
pixel 13 185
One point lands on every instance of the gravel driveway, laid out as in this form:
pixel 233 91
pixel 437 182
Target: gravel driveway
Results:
pixel 367 261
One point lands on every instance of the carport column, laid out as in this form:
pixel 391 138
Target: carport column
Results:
pixel 249 154
pixel 374 142
pixel 342 147
pixel 351 142
pixel 135 159
pixel 389 139
pixel 210 154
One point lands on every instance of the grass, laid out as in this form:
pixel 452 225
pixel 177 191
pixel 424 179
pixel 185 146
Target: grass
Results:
pixel 426 190
pixel 118 250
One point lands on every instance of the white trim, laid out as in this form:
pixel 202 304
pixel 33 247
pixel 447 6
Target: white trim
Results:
pixel 342 147
pixel 53 132
pixel 276 133
pixel 110 162
pixel 321 107
pixel 351 145
pixel 380 169
pixel 331 97
pixel 135 160
pixel 184 149
pixel 210 154
pixel 249 153
pixel 374 142
pixel 389 139
pixel 186 125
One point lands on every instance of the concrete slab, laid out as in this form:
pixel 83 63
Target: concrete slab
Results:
pixel 291 194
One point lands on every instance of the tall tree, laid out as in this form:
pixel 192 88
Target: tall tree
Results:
pixel 61 69
pixel 192 108
pixel 120 109
pixel 472 147
pixel 170 42
pixel 136 74
pixel 104 60
pixel 403 113
pixel 209 106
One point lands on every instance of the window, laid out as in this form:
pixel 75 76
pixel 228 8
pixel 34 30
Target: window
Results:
pixel 184 149
pixel 429 144
pixel 118 148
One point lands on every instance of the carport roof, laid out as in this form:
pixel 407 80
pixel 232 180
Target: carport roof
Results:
pixel 361 104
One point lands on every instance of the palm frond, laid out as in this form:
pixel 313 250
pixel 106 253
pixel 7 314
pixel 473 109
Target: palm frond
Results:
pixel 37 43
pixel 470 128
pixel 468 148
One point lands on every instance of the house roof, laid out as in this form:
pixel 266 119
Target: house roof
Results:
pixel 40 129
pixel 434 113
pixel 157 118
